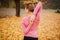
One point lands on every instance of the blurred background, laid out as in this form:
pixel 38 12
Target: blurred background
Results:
pixel 10 25
pixel 8 6
pixel 47 4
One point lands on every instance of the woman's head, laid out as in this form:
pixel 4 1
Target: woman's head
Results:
pixel 30 7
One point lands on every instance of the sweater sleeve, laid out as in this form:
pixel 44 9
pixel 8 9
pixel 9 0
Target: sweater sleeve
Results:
pixel 38 10
pixel 24 28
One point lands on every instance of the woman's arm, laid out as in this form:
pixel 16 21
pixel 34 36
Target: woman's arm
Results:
pixel 26 28
pixel 38 10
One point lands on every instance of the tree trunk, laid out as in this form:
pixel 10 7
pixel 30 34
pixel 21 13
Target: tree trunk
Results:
pixel 17 2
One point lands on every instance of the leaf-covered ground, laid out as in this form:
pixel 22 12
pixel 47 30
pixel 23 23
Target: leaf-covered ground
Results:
pixel 10 28
pixel 48 29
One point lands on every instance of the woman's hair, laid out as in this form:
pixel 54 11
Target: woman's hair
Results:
pixel 27 6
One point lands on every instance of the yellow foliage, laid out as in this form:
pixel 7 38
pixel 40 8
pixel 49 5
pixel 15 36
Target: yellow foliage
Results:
pixel 49 27
pixel 10 28
pixel 30 1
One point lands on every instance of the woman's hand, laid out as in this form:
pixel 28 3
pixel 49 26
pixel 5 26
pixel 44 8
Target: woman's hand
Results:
pixel 32 18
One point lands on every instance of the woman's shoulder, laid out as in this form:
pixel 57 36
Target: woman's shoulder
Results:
pixel 26 18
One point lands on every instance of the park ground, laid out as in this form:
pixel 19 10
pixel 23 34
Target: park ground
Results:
pixel 48 28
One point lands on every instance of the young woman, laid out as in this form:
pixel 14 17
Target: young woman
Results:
pixel 30 24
